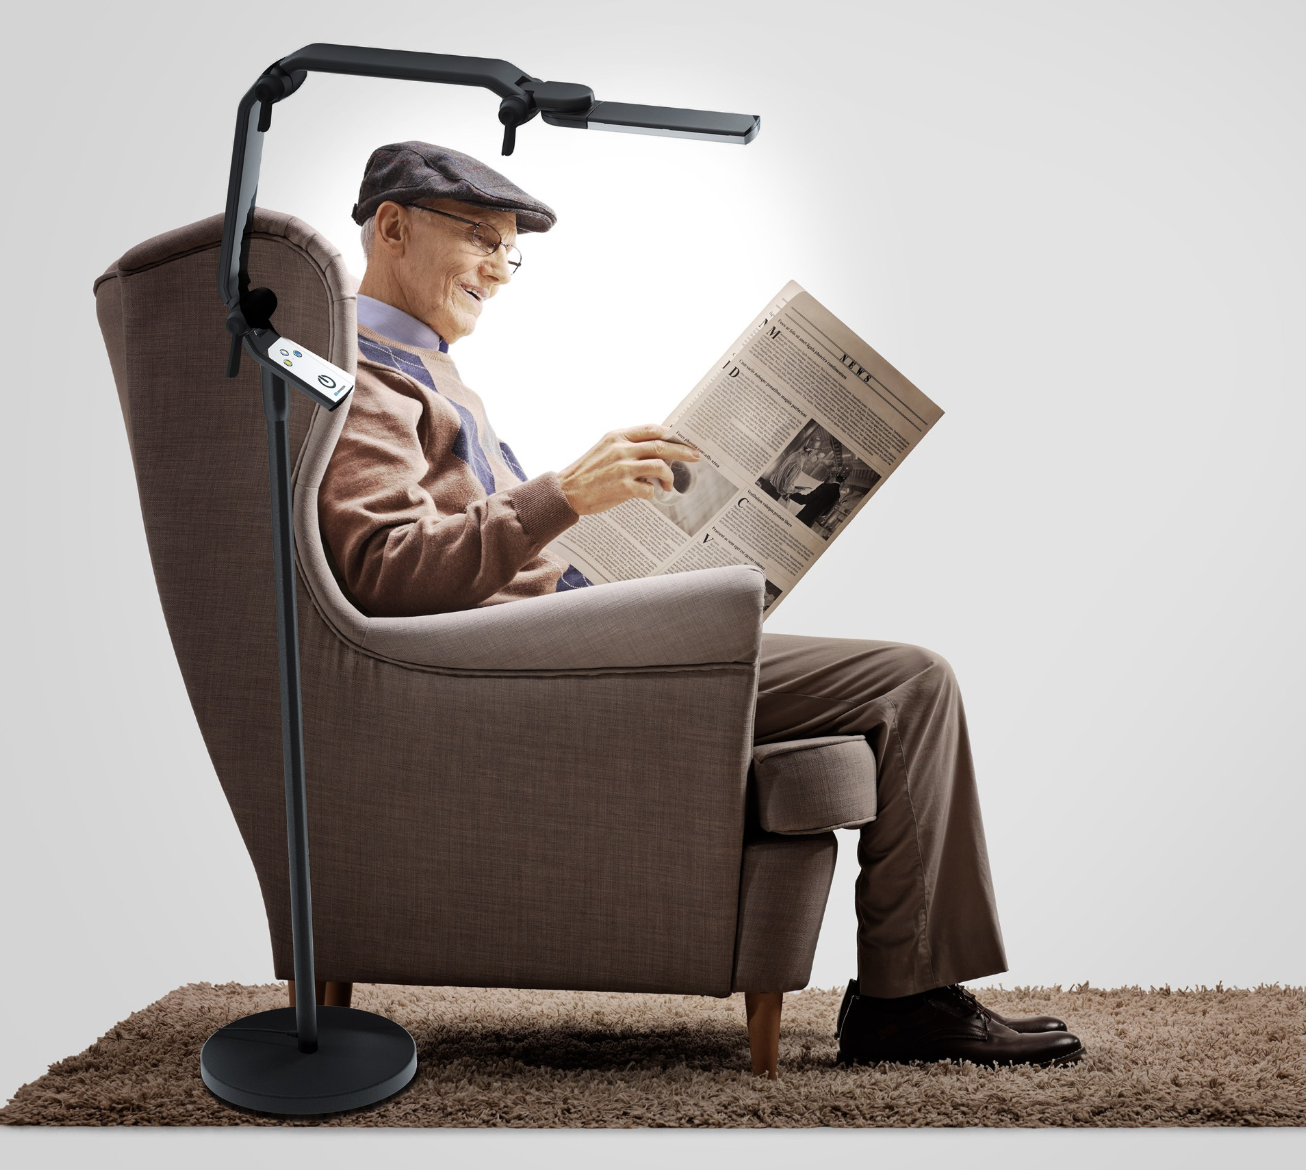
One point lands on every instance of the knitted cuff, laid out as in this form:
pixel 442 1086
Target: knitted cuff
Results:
pixel 542 507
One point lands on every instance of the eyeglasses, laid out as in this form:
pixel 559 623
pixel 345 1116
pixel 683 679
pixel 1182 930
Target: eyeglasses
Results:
pixel 485 236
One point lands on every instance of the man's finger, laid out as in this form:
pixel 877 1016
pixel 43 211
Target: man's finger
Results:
pixel 668 450
pixel 648 431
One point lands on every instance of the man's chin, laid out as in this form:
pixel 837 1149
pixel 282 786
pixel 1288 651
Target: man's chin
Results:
pixel 452 330
pixel 464 323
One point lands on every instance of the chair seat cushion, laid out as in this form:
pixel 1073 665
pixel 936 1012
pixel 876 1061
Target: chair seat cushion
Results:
pixel 813 785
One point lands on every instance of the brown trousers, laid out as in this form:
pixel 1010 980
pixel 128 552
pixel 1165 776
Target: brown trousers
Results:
pixel 925 909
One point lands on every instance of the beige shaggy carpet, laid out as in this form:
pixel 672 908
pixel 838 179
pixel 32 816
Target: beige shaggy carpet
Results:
pixel 548 1059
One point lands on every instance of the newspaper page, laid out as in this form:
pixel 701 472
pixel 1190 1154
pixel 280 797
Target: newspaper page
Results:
pixel 799 424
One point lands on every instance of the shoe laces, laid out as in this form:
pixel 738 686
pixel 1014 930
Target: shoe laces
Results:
pixel 963 996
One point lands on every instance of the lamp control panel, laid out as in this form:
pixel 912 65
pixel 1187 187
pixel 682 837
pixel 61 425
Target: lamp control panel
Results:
pixel 326 384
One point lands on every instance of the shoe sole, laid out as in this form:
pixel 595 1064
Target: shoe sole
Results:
pixel 1064 1059
pixel 1069 1058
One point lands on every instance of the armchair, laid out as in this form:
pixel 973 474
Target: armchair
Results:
pixel 488 799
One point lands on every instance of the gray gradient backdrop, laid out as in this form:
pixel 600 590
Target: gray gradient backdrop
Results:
pixel 1076 226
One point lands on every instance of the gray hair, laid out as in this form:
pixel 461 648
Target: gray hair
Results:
pixel 366 234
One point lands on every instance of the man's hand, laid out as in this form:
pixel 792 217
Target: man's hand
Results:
pixel 615 469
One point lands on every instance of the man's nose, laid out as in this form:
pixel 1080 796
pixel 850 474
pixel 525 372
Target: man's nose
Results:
pixel 496 264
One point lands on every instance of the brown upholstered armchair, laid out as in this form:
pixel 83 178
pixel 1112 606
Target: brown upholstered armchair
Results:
pixel 551 848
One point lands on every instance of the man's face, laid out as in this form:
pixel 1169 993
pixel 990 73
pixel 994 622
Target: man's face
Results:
pixel 442 262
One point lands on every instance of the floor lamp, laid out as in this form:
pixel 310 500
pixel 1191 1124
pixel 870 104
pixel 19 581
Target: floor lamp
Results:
pixel 310 1060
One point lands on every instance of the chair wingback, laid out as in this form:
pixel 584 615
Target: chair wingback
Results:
pixel 198 443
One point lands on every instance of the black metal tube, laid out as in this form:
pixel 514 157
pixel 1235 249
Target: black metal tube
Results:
pixel 276 407
pixel 502 77
pixel 242 188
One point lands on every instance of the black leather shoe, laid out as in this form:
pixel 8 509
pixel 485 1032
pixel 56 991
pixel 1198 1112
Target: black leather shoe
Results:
pixel 848 994
pixel 1024 1024
pixel 945 1023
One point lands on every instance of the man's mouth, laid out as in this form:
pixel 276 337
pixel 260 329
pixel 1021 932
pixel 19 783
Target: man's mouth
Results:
pixel 472 291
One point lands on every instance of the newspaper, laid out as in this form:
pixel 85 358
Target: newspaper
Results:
pixel 798 424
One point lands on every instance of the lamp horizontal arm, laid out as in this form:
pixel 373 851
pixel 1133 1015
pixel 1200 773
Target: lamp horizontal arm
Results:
pixel 502 77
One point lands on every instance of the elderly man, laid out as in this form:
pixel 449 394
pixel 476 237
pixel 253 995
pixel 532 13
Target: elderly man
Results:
pixel 425 510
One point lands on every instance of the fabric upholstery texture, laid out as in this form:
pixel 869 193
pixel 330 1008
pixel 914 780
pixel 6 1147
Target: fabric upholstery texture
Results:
pixel 544 794
pixel 782 897
pixel 814 785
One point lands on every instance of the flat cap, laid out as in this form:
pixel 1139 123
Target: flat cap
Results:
pixel 408 171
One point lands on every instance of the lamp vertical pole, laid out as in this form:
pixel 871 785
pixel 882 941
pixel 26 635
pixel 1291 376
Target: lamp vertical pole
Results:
pixel 276 408
pixel 334 1058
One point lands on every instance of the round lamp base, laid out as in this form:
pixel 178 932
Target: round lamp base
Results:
pixel 255 1062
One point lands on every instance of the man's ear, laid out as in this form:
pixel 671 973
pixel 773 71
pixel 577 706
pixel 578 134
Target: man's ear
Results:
pixel 392 229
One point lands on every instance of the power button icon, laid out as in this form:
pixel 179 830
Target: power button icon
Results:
pixel 327 381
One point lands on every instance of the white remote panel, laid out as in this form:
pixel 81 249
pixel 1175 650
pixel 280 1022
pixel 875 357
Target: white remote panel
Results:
pixel 329 384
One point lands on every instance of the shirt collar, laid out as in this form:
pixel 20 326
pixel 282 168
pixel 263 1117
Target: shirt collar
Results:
pixel 397 325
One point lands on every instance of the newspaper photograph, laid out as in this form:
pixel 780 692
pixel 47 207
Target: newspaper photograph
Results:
pixel 798 424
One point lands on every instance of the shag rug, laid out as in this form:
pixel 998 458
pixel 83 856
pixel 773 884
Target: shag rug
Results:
pixel 1209 1057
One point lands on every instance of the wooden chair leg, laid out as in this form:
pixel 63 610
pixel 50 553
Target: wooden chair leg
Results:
pixel 762 1009
pixel 338 995
pixel 329 994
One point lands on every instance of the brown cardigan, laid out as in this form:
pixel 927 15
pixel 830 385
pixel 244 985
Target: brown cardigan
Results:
pixel 422 508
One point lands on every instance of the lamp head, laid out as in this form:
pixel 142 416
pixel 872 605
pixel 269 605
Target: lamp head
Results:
pixel 667 121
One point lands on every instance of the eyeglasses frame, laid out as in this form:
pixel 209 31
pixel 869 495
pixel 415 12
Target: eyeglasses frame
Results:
pixel 477 225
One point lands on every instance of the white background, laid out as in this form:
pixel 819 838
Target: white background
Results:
pixel 1076 226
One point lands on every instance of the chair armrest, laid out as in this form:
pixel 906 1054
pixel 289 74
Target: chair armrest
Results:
pixel 814 785
pixel 680 619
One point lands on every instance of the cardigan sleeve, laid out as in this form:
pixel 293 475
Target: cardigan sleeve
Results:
pixel 409 525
